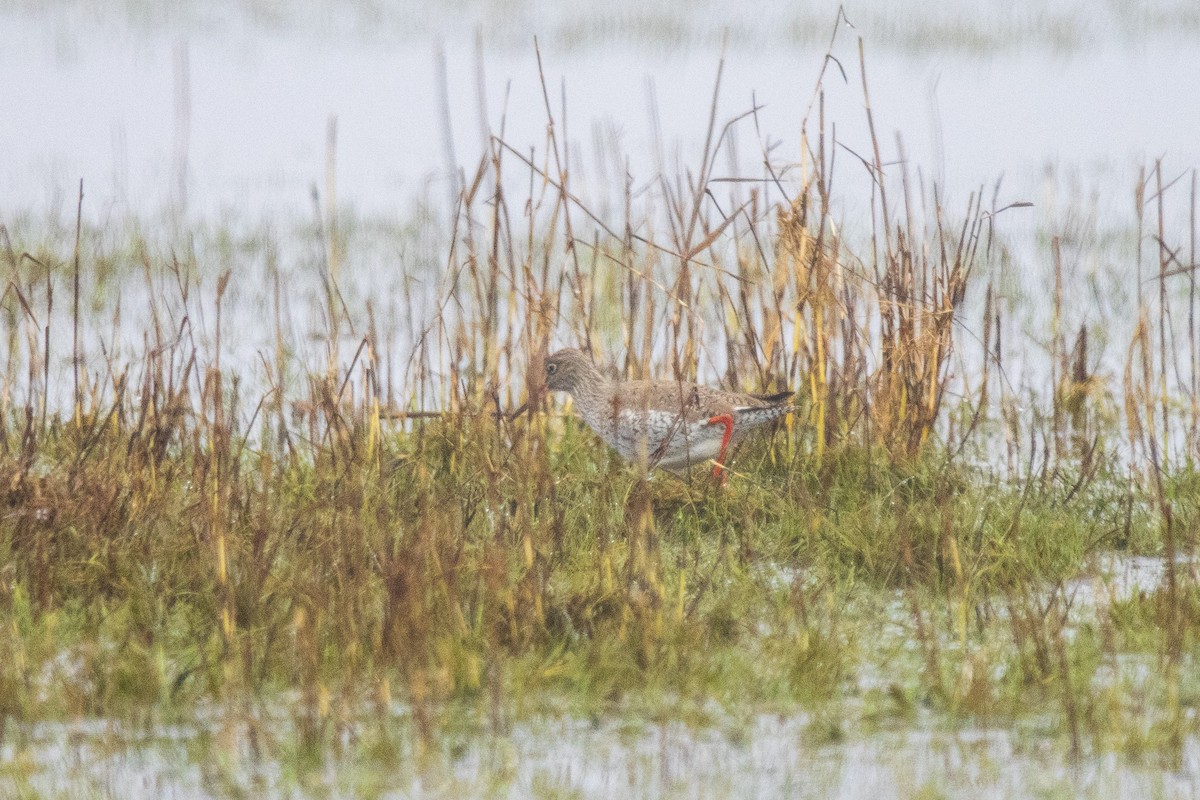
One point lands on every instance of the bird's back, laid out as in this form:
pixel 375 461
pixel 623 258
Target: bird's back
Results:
pixel 695 403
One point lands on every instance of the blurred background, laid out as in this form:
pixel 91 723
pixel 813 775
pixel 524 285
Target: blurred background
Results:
pixel 223 107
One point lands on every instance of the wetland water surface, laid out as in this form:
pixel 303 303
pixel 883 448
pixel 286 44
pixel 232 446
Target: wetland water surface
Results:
pixel 875 745
pixel 765 756
pixel 242 109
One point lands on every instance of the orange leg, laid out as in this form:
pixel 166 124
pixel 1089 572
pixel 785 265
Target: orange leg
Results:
pixel 719 472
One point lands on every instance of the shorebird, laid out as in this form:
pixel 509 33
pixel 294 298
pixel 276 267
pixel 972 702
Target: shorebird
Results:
pixel 661 423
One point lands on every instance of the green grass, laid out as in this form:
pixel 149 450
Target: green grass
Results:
pixel 425 570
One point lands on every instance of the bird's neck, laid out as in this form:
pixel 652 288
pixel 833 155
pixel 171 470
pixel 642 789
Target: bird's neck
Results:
pixel 592 384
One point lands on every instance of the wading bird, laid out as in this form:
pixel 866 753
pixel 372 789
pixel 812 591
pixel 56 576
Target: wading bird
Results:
pixel 661 423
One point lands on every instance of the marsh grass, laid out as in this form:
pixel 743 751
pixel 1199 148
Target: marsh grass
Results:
pixel 353 532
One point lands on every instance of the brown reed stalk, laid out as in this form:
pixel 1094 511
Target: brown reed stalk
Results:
pixel 1193 348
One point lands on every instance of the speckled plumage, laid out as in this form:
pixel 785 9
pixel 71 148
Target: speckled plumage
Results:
pixel 661 423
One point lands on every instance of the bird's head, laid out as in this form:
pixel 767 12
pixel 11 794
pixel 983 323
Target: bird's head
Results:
pixel 567 369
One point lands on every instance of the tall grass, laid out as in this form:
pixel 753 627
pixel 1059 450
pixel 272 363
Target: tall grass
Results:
pixel 406 515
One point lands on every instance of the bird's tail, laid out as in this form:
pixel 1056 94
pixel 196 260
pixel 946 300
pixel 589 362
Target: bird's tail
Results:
pixel 773 399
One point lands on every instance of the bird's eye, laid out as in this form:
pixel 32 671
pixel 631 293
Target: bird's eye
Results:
pixel 550 368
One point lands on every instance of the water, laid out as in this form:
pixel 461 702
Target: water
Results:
pixel 854 748
pixel 228 112
pixel 763 756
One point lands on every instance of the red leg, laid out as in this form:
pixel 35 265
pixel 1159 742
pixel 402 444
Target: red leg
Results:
pixel 719 472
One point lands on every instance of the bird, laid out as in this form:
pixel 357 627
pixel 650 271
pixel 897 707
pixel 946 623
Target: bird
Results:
pixel 668 424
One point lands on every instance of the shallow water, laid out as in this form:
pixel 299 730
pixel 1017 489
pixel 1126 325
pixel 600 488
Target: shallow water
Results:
pixel 102 101
pixel 852 750
pixel 1118 577
pixel 761 757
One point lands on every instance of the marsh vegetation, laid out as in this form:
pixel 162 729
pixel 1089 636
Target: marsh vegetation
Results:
pixel 264 530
